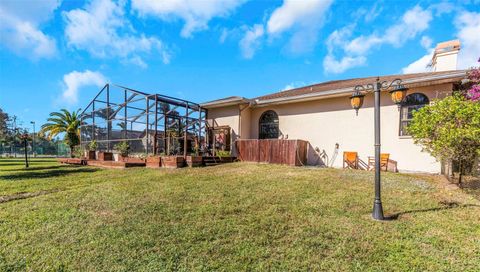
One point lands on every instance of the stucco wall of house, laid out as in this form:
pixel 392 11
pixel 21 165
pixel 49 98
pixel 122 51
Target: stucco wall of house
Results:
pixel 324 123
pixel 226 116
pixel 245 122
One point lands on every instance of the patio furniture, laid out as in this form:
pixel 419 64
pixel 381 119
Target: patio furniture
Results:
pixel 350 160
pixel 384 159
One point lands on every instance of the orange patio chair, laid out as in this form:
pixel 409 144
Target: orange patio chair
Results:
pixel 384 158
pixel 350 160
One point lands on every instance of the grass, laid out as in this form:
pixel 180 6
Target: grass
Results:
pixel 231 217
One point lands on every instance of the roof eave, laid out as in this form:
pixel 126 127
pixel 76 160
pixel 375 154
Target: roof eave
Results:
pixel 346 91
pixel 225 103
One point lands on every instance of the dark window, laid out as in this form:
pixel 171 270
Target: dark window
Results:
pixel 412 103
pixel 268 125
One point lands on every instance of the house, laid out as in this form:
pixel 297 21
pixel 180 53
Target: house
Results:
pixel 321 114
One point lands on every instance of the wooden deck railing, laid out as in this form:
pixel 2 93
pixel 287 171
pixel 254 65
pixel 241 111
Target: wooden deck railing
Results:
pixel 290 152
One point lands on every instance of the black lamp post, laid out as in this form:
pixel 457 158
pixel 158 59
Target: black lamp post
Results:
pixel 397 92
pixel 33 139
pixel 24 137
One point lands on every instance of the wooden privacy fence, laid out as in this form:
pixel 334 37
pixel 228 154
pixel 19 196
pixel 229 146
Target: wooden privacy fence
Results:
pixel 291 152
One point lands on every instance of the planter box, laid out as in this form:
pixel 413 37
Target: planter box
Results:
pixel 90 155
pixel 226 159
pixel 130 159
pixel 172 162
pixel 105 156
pixel 154 162
pixel 194 161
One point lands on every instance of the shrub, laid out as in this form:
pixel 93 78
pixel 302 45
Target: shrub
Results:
pixel 92 146
pixel 223 153
pixel 77 152
pixel 123 148
pixel 449 129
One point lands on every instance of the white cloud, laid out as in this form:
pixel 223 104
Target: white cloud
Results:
pixel 423 63
pixel 97 29
pixel 196 14
pixel 20 28
pixel 420 65
pixel 468 26
pixel 293 85
pixel 75 81
pixel 304 18
pixel 335 66
pixel 354 51
pixel 251 41
pixel 426 42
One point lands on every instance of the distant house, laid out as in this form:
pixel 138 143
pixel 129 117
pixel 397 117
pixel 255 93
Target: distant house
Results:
pixel 321 114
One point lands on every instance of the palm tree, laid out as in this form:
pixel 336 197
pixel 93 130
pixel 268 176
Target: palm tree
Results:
pixel 64 122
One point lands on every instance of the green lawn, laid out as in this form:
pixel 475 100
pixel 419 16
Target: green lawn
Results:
pixel 230 217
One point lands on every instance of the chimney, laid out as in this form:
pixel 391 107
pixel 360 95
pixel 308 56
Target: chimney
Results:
pixel 445 56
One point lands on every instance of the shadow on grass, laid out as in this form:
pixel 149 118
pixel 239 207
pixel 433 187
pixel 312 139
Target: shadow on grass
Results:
pixel 24 195
pixel 22 160
pixel 32 174
pixel 446 206
pixel 34 168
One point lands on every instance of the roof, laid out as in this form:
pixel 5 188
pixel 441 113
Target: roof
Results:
pixel 223 102
pixel 341 88
pixel 341 84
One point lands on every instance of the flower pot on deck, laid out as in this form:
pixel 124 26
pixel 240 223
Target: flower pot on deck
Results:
pixel 154 162
pixel 172 161
pixel 105 156
pixel 194 161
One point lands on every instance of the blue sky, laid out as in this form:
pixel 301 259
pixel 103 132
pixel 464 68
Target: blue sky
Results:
pixel 56 54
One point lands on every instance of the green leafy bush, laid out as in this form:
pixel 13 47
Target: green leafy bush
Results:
pixel 223 153
pixel 123 148
pixel 77 152
pixel 92 146
pixel 449 129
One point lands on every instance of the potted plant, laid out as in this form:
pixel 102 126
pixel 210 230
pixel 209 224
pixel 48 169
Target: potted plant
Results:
pixel 92 147
pixel 224 156
pixel 123 148
pixel 77 152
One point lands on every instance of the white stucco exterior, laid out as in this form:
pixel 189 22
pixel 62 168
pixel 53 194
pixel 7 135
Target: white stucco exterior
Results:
pixel 326 122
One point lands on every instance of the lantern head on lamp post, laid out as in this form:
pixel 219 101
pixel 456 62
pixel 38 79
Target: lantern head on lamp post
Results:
pixel 398 94
pixel 356 100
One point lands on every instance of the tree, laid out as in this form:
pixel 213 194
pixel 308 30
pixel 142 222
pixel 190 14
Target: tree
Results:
pixel 473 89
pixel 64 122
pixel 449 129
pixel 4 118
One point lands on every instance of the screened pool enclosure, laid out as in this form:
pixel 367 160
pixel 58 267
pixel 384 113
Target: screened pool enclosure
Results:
pixel 150 123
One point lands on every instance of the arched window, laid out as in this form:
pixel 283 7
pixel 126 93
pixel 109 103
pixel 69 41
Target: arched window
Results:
pixel 411 103
pixel 268 125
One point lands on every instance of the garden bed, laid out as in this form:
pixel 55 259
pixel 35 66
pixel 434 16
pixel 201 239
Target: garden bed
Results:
pixel 75 161
pixel 115 164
